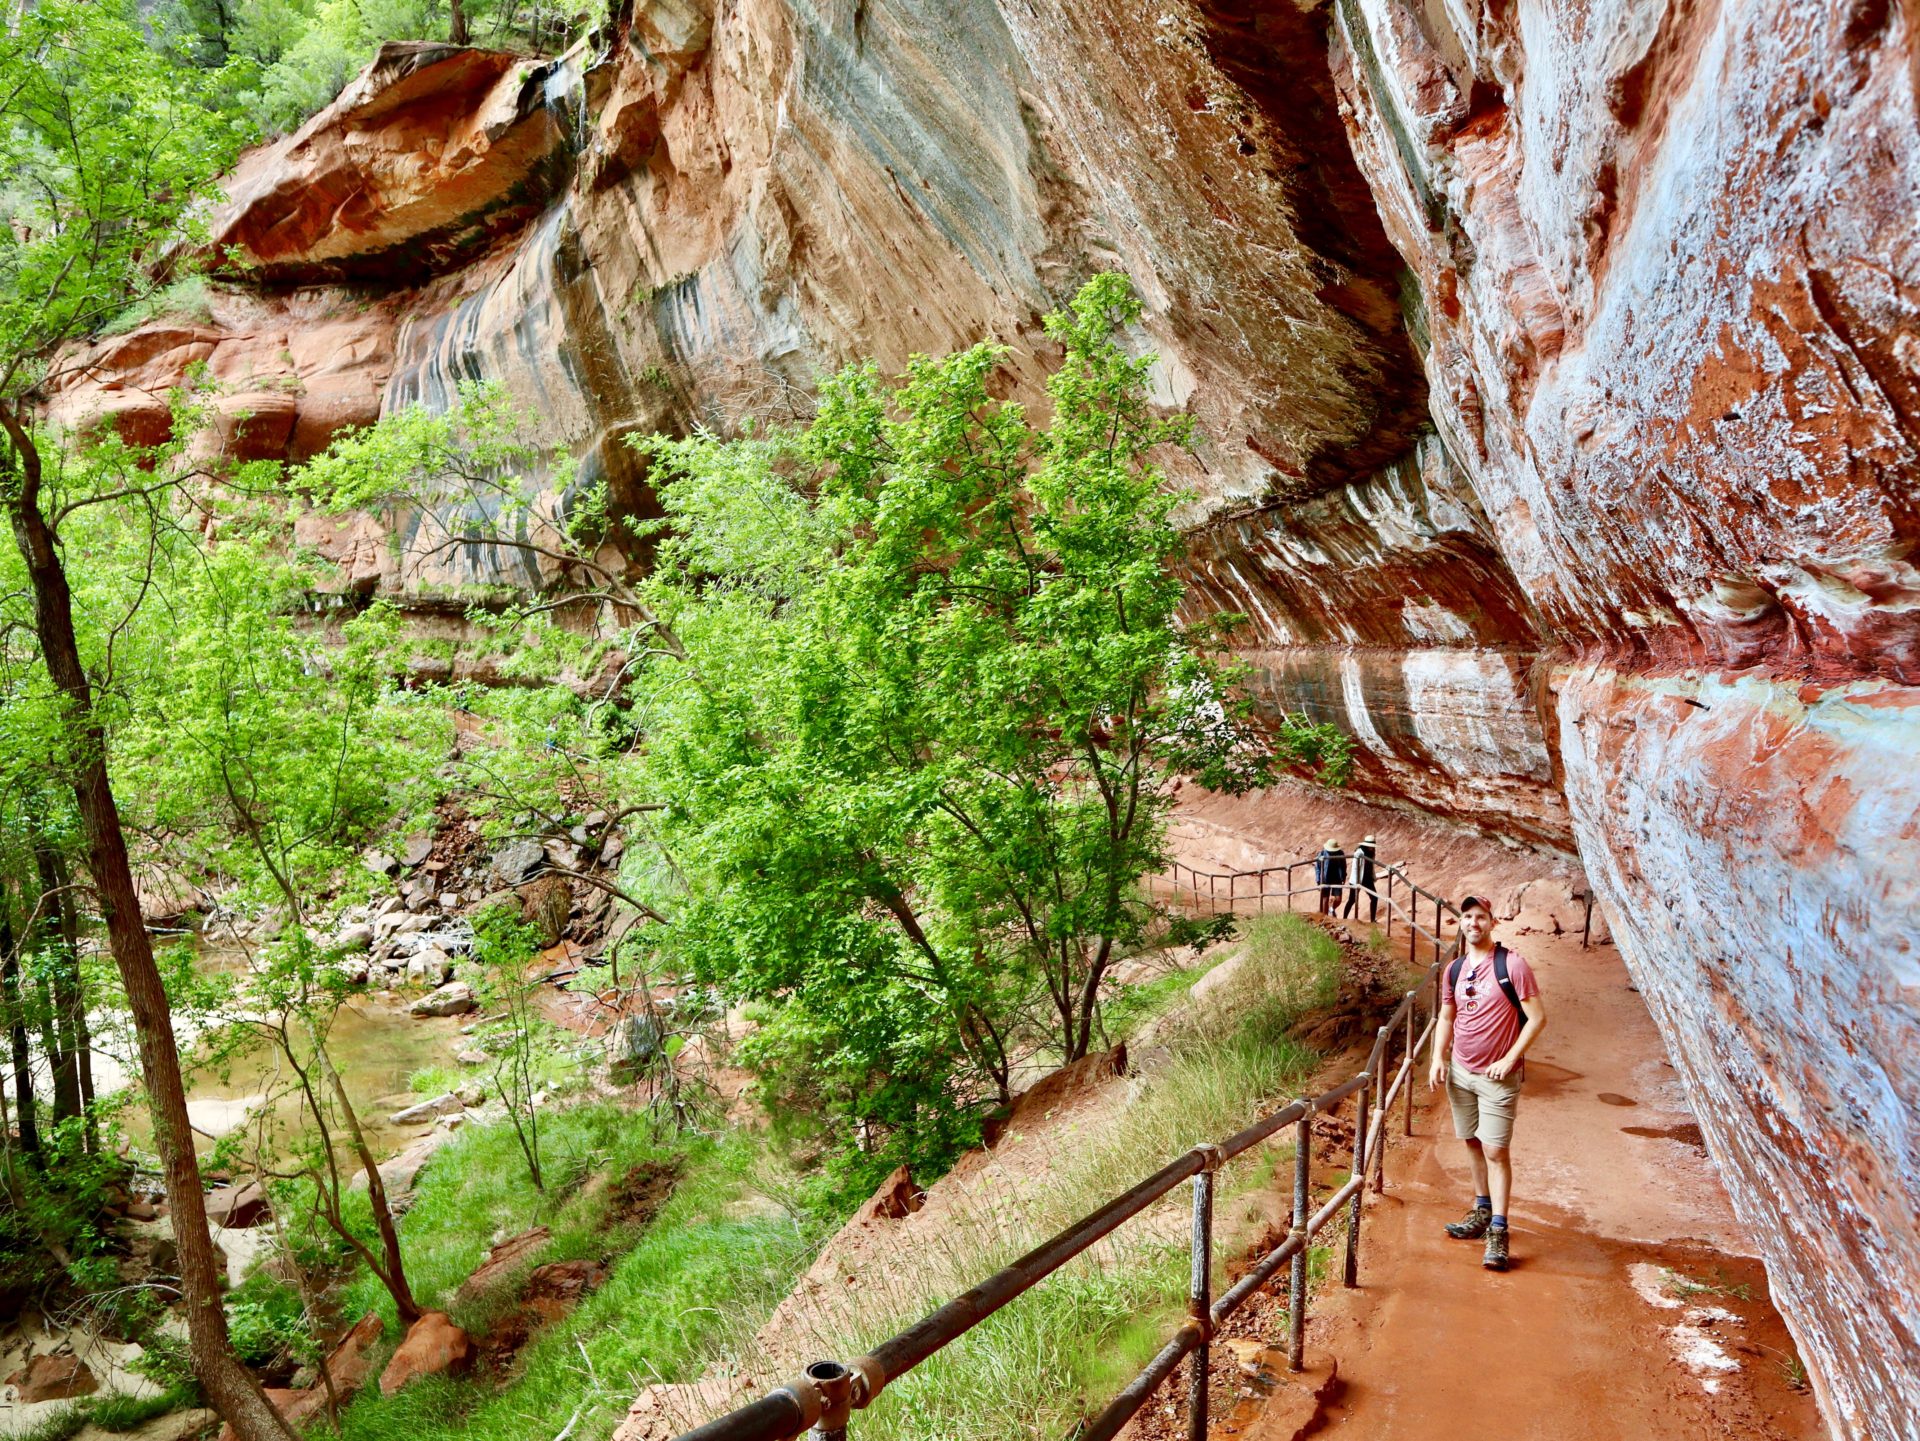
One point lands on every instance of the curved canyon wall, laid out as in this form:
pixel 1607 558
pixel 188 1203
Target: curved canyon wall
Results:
pixel 1556 365
pixel 1669 261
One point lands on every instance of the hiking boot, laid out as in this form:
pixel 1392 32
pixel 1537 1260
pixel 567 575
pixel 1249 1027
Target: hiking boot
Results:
pixel 1496 1257
pixel 1472 1226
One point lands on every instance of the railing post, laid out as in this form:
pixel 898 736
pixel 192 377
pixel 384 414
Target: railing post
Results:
pixel 1413 922
pixel 1360 1171
pixel 1297 1276
pixel 1200 1297
pixel 836 1396
pixel 1378 1158
pixel 1413 1007
pixel 1389 903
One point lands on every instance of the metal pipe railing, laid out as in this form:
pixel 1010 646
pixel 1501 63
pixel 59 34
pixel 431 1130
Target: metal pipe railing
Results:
pixel 824 1396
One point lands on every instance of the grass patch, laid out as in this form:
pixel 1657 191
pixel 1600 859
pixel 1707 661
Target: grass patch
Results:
pixel 696 1279
pixel 436 1080
pixel 114 1412
pixel 187 300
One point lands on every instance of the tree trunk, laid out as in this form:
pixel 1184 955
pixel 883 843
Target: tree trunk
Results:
pixel 456 23
pixel 404 1305
pixel 70 995
pixel 13 1005
pixel 232 1389
pixel 64 1052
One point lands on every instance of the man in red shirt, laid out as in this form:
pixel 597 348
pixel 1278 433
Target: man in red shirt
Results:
pixel 1490 1013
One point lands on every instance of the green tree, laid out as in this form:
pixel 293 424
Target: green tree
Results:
pixel 932 687
pixel 106 151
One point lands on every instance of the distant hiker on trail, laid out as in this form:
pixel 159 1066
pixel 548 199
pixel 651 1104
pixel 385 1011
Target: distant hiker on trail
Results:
pixel 1490 1013
pixel 1363 881
pixel 1330 874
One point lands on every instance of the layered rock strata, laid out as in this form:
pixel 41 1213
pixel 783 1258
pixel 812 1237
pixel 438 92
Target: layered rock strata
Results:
pixel 1556 368
pixel 1669 268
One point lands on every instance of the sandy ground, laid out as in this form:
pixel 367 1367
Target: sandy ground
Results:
pixel 1635 1306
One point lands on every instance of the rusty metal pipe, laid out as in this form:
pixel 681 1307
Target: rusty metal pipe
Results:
pixel 1121 1409
pixel 1297 1279
pixel 899 1354
pixel 1200 1302
pixel 774 1417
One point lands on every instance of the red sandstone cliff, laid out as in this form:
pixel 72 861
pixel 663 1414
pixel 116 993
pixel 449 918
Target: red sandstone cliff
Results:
pixel 1595 530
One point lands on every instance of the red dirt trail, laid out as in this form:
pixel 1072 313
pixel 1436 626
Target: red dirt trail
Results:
pixel 1563 1347
pixel 1635 1307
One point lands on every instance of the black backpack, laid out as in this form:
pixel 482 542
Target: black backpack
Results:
pixel 1499 975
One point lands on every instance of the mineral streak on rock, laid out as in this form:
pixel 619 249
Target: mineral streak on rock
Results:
pixel 1666 255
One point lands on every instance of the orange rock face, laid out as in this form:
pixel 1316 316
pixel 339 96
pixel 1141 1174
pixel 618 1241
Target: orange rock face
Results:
pixel 1669 272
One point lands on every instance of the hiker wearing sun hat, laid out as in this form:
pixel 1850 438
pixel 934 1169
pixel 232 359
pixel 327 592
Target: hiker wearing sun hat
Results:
pixel 1363 855
pixel 1330 874
pixel 1490 1013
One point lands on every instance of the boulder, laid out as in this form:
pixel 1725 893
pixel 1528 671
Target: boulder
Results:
pixel 631 1046
pixel 53 1378
pixel 455 998
pixel 434 1346
pixel 379 862
pixel 237 1207
pixel 897 1198
pixel 517 860
pixel 504 1258
pixel 416 851
pixel 350 1362
pixel 430 966
pixel 471 1056
pixel 354 938
pixel 497 898
pixel 442 1105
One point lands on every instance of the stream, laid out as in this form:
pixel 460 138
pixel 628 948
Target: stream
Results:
pixel 374 1044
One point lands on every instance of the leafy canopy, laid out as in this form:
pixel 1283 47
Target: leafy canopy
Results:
pixel 931 689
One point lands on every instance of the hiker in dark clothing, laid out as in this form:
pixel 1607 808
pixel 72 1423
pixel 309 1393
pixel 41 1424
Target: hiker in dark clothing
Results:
pixel 1363 881
pixel 1330 874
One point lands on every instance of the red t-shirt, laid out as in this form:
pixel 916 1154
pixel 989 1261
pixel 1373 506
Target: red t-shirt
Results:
pixel 1485 1024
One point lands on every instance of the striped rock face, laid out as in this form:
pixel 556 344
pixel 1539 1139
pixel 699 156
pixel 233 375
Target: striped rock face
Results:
pixel 1669 258
pixel 1557 366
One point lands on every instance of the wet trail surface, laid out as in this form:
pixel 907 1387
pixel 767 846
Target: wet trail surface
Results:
pixel 1634 1306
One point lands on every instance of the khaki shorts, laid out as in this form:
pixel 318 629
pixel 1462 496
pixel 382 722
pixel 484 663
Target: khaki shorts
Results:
pixel 1482 1107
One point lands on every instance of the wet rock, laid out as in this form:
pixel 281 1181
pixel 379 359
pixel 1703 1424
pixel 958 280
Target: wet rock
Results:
pixel 441 1105
pixel 434 1346
pixel 455 998
pixel 53 1378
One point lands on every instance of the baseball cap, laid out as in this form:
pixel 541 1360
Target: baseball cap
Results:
pixel 1467 902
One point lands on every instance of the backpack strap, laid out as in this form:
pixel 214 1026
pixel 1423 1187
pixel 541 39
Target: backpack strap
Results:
pixel 1506 982
pixel 1500 976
